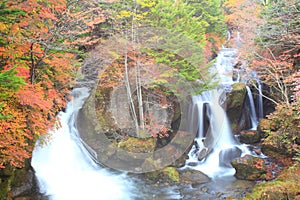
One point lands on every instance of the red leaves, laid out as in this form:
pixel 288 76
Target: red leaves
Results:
pixel 29 46
pixel 33 95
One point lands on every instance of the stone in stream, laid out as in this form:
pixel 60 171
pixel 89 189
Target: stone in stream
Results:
pixel 227 155
pixel 193 176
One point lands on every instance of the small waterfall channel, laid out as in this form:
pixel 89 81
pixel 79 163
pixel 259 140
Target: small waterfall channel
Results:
pixel 66 171
pixel 215 144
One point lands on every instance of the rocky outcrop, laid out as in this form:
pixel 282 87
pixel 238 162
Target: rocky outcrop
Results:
pixel 234 106
pixel 19 184
pixel 249 136
pixel 286 186
pixel 249 168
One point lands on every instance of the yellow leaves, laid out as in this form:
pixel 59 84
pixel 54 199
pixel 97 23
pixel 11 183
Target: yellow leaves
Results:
pixel 3 27
pixel 146 3
pixel 124 14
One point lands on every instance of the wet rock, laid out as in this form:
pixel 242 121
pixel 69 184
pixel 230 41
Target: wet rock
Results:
pixel 193 176
pixel 24 185
pixel 203 153
pixel 234 103
pixel 249 136
pixel 166 176
pixel 192 164
pixel 249 168
pixel 227 155
pixel 180 162
pixel 256 150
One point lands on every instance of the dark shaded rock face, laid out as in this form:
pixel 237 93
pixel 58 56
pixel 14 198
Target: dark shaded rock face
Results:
pixel 19 184
pixel 249 168
pixel 227 155
pixel 249 136
pixel 234 106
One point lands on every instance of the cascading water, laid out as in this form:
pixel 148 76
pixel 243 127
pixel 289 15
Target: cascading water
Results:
pixel 260 101
pixel 218 145
pixel 66 171
pixel 253 116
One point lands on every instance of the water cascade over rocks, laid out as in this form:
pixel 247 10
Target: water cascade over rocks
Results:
pixel 64 168
pixel 215 145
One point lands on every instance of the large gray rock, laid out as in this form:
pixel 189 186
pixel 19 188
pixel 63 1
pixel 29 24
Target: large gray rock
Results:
pixel 193 176
pixel 227 155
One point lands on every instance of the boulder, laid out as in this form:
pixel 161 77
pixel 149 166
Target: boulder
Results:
pixel 234 104
pixel 249 168
pixel 166 175
pixel 227 155
pixel 249 136
pixel 193 176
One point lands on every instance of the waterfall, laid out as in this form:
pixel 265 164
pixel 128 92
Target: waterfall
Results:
pixel 253 115
pixel 64 168
pixel 218 139
pixel 216 145
pixel 260 102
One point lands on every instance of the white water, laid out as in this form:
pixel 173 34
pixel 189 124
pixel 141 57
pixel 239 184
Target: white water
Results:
pixel 65 170
pixel 253 115
pixel 220 131
pixel 260 102
pixel 221 137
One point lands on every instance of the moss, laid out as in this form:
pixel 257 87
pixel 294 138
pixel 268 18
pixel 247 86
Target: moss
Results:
pixel 168 173
pixel 287 186
pixel 137 145
pixel 6 178
pixel 171 173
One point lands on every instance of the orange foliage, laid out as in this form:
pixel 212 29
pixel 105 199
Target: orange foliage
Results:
pixel 32 48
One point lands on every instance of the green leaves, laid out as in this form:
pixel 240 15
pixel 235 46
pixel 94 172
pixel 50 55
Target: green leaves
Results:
pixel 10 81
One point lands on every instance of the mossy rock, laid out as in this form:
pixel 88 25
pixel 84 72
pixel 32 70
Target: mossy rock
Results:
pixel 249 168
pixel 171 173
pixel 277 145
pixel 168 174
pixel 234 103
pixel 287 186
pixel 249 136
pixel 138 145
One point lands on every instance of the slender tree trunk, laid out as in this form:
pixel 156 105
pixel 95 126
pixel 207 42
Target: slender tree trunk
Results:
pixel 32 67
pixel 128 89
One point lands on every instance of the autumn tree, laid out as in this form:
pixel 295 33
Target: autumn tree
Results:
pixel 39 45
pixel 183 29
pixel 277 61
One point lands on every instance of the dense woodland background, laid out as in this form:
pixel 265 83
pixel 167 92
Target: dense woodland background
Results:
pixel 44 42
